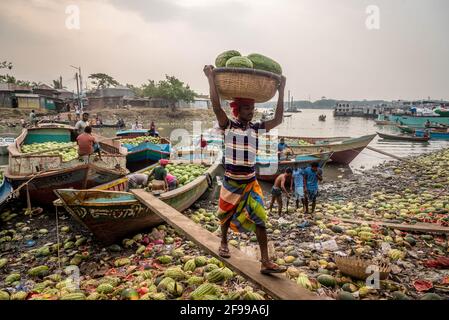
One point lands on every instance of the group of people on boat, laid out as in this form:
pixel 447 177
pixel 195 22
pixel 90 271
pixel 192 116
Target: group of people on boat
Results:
pixel 152 132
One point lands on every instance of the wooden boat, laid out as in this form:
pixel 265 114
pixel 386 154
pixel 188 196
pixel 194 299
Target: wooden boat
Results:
pixel 343 149
pixel 434 135
pixel 405 129
pixel 383 122
pixel 105 125
pixel 47 121
pixel 111 213
pixel 5 188
pixel 145 153
pixel 403 138
pixel 269 169
pixel 39 174
pixel 129 134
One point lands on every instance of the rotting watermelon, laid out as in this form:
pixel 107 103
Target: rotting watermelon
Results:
pixel 220 61
pixel 262 62
pixel 239 62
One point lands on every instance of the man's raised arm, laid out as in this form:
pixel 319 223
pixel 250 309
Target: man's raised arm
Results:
pixel 219 112
pixel 279 114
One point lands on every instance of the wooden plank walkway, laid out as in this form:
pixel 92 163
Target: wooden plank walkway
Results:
pixel 419 227
pixel 278 286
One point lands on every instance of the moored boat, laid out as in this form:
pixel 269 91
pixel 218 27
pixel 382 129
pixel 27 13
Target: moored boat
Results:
pixel 39 173
pixel 111 213
pixel 267 169
pixel 434 135
pixel 403 138
pixel 405 129
pixel 145 152
pixel 417 121
pixel 383 122
pixel 343 150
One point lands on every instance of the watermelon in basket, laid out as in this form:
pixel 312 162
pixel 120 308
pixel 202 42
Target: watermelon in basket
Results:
pixel 253 77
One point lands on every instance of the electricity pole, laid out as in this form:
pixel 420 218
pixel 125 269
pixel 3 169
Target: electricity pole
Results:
pixel 78 90
pixel 80 84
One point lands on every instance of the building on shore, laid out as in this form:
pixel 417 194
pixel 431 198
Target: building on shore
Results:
pixel 8 94
pixel 346 109
pixel 109 97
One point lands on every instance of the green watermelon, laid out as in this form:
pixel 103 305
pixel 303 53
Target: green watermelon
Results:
pixel 239 62
pixel 262 62
pixel 221 60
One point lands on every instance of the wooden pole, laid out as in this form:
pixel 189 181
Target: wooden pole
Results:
pixel 385 153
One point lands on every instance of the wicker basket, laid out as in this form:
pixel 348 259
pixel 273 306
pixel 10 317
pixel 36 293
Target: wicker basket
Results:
pixel 246 83
pixel 356 267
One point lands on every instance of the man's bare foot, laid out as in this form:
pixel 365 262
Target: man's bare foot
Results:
pixel 269 267
pixel 223 251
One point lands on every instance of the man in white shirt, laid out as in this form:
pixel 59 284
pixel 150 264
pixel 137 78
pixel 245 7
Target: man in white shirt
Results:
pixel 82 124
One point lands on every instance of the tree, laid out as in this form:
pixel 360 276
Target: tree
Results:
pixel 174 90
pixel 137 90
pixel 6 65
pixel 150 89
pixel 103 81
pixel 57 84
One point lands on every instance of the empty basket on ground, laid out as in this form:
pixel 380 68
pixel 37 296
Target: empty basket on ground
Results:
pixel 246 83
pixel 358 268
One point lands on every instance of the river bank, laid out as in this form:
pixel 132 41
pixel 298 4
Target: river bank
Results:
pixel 411 192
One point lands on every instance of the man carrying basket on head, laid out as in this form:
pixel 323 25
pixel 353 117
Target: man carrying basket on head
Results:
pixel 241 204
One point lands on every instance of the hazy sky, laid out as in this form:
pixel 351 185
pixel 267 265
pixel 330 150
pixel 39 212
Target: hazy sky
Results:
pixel 324 46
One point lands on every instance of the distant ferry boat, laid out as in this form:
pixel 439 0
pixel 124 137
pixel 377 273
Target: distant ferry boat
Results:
pixel 425 112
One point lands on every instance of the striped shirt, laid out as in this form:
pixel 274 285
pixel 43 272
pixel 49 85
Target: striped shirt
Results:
pixel 240 150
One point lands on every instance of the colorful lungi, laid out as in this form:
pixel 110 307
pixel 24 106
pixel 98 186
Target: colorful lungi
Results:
pixel 242 203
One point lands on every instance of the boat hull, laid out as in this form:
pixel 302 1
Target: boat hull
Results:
pixel 406 129
pixel 41 187
pixel 112 215
pixel 269 174
pixel 343 151
pixel 402 138
pixel 418 122
pixel 434 135
pixel 146 153
pixel 5 192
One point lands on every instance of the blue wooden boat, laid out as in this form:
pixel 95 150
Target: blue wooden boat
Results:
pixel 146 153
pixel 417 122
pixel 141 155
pixel 5 192
pixel 434 135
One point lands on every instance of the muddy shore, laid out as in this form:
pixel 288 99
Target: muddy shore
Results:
pixel 409 192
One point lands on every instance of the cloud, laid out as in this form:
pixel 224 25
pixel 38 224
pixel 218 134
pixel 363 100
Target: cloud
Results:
pixel 323 46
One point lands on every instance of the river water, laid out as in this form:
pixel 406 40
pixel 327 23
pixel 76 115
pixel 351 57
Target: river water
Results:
pixel 306 124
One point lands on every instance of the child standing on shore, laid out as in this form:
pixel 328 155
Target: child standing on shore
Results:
pixel 300 189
